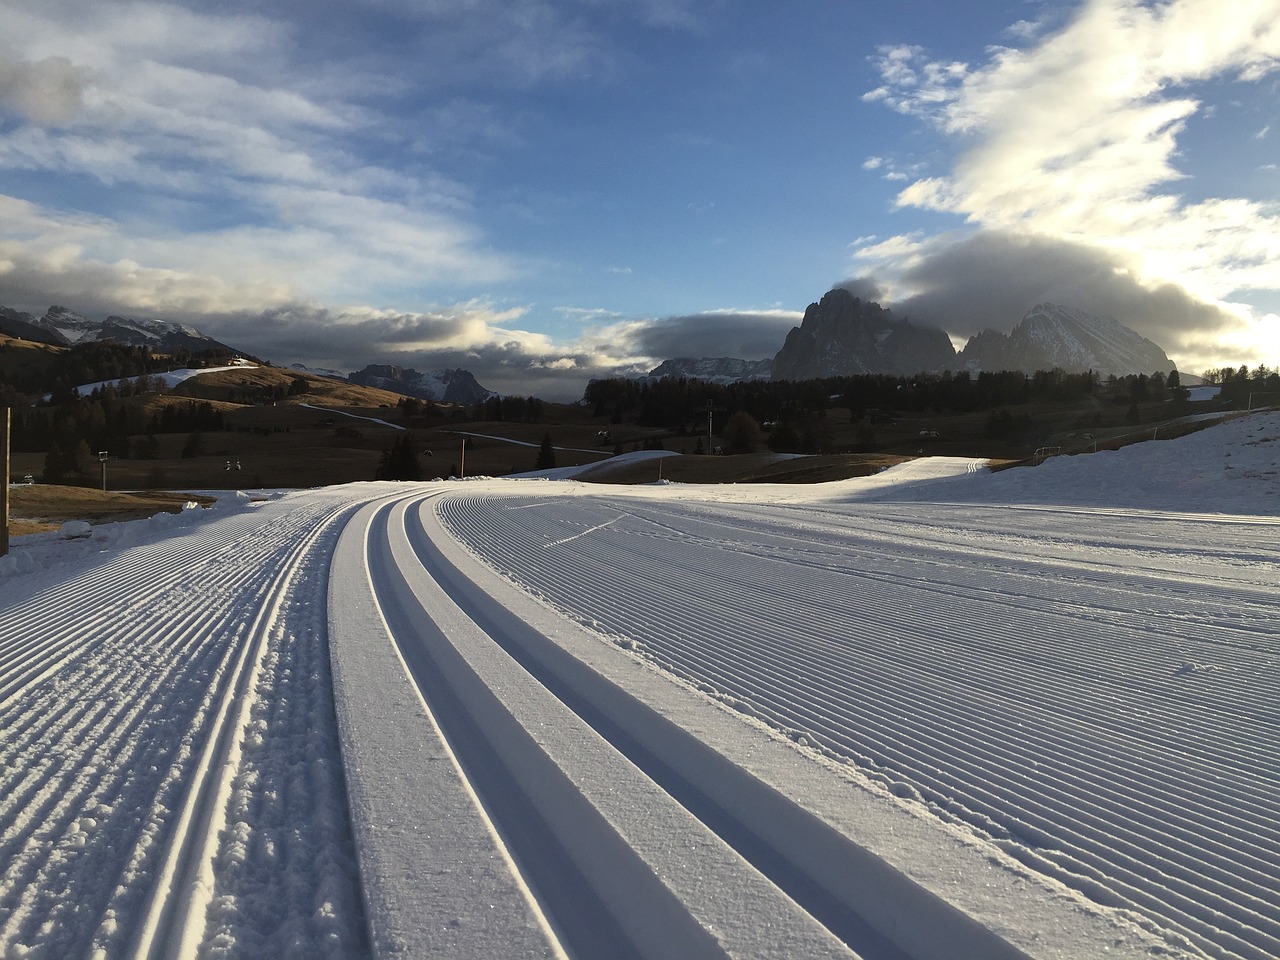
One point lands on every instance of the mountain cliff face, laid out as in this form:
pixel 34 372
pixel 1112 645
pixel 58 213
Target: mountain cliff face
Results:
pixel 65 328
pixel 714 369
pixel 441 386
pixel 1069 339
pixel 842 336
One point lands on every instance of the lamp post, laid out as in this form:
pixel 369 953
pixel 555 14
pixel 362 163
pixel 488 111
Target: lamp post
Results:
pixel 102 459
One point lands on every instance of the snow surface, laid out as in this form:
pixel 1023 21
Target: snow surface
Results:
pixel 171 378
pixel 353 416
pixel 938 712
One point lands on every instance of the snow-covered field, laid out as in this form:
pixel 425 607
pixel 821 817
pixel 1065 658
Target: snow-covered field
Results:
pixel 933 713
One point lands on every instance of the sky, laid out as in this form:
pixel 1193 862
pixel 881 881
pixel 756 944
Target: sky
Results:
pixel 546 191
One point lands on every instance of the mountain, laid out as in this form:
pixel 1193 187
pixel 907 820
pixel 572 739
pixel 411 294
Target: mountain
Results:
pixel 714 369
pixel 442 386
pixel 1069 339
pixel 842 336
pixel 64 327
pixel 24 326
pixel 318 371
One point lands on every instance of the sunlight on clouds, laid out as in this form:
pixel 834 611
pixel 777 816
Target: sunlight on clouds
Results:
pixel 1077 137
pixel 243 169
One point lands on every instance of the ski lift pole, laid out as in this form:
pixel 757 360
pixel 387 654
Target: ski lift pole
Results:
pixel 4 497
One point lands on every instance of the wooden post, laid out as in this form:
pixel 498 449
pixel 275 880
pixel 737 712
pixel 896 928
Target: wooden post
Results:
pixel 4 476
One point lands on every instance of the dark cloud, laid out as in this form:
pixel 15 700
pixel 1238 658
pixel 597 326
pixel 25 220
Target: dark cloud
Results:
pixel 747 336
pixel 992 279
pixel 864 288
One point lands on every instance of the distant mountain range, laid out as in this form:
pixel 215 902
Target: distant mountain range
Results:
pixel 843 336
pixel 438 386
pixel 713 369
pixel 441 386
pixel 65 328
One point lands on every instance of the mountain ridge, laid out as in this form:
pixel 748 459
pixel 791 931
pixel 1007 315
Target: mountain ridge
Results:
pixel 842 335
pixel 1051 336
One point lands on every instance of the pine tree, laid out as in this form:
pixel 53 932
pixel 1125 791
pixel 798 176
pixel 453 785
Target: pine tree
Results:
pixel 546 454
pixel 399 461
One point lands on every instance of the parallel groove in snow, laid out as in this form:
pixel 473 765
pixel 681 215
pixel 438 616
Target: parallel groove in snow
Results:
pixel 106 686
pixel 1102 758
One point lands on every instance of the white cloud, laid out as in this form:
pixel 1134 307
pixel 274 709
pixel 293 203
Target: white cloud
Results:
pixel 1076 138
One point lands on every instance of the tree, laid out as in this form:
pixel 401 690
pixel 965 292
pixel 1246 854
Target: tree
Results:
pixel 546 454
pixel 194 446
pixel 742 433
pixel 399 461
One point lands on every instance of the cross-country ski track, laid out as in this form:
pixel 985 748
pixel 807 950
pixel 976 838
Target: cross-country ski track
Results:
pixel 933 714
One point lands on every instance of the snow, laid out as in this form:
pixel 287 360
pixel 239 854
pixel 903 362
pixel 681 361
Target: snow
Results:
pixel 353 416
pixel 171 378
pixel 936 712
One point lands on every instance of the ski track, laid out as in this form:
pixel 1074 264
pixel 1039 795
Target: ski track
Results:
pixel 1097 698
pixel 112 685
pixel 437 720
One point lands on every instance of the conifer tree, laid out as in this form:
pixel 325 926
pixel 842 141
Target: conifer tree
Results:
pixel 546 454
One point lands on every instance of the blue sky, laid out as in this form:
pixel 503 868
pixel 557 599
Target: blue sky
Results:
pixel 543 192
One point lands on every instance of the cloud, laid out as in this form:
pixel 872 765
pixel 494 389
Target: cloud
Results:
pixel 965 283
pixel 747 335
pixel 1074 140
pixel 48 91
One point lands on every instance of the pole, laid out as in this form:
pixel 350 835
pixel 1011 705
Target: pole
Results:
pixel 4 497
pixel 462 470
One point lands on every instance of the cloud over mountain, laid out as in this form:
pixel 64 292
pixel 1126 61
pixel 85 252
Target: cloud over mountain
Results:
pixel 971 282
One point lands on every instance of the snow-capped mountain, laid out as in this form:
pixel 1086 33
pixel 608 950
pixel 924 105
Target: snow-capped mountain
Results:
pixel 1069 339
pixel 67 328
pixel 714 369
pixel 441 386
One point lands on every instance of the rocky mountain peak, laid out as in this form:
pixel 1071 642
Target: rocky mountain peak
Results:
pixel 842 335
pixel 1069 339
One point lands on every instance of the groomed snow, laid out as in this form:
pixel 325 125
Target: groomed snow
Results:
pixel 938 712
